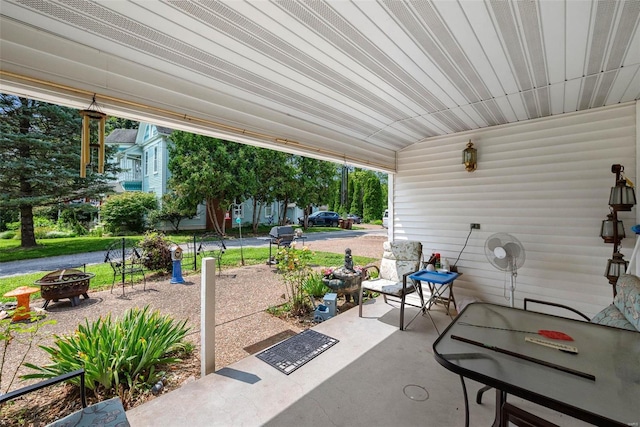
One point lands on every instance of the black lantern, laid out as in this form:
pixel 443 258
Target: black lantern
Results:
pixel 616 267
pixel 607 231
pixel 622 197
pixel 470 157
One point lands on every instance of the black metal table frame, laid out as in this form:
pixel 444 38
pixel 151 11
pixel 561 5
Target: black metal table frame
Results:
pixel 503 388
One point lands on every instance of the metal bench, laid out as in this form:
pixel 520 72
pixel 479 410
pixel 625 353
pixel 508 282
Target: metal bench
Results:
pixel 125 258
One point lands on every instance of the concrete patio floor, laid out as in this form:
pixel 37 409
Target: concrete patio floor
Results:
pixel 375 376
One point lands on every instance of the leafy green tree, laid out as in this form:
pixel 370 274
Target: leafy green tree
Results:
pixel 173 210
pixel 268 171
pixel 40 158
pixel 287 186
pixel 210 170
pixel 127 211
pixel 313 179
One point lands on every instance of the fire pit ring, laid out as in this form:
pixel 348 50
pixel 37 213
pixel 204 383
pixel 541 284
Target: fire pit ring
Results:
pixel 68 283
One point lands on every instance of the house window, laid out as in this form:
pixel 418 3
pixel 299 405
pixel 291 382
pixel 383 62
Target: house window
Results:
pixel 150 132
pixel 155 159
pixel 146 163
pixel 268 210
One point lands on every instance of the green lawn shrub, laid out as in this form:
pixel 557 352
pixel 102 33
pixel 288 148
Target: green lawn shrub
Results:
pixel 9 234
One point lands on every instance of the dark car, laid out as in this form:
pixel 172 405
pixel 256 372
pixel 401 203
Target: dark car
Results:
pixel 355 218
pixel 328 218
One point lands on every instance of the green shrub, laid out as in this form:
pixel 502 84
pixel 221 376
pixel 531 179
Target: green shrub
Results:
pixel 117 354
pixel 9 234
pixel 293 264
pixel 156 252
pixel 127 211
pixel 14 226
pixel 314 287
pixel 59 234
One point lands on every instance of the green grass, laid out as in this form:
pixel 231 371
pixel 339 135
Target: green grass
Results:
pixel 10 249
pixel 231 259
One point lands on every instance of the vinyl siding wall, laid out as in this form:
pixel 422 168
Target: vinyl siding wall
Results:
pixel 544 181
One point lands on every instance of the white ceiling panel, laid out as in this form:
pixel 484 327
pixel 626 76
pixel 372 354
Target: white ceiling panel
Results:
pixel 352 81
pixel 552 15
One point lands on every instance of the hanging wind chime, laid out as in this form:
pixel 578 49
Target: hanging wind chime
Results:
pixel 92 147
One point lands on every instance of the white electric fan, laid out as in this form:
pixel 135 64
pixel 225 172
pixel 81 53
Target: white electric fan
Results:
pixel 505 253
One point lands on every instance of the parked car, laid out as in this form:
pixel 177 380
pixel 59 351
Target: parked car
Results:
pixel 328 218
pixel 355 218
pixel 385 218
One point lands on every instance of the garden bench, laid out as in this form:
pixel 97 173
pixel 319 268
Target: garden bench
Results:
pixel 125 258
pixel 108 413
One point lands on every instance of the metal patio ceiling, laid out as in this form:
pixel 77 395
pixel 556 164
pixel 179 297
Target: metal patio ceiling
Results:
pixel 352 81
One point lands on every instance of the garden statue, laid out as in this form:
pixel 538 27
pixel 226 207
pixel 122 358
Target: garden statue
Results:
pixel 348 260
pixel 344 280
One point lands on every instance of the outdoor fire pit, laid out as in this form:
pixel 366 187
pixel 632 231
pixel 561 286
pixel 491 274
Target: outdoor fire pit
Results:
pixel 69 283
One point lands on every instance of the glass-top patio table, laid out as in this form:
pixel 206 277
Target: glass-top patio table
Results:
pixel 600 384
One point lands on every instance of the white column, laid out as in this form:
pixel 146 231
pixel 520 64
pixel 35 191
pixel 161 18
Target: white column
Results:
pixel 208 317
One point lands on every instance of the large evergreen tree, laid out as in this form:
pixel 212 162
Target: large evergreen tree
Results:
pixel 372 198
pixel 40 159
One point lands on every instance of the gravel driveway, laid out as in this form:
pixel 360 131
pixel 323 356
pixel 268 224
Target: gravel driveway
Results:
pixel 242 295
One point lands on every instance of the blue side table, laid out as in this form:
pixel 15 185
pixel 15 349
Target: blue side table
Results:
pixel 439 283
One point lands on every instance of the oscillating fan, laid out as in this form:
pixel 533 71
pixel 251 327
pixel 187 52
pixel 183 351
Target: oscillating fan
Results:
pixel 505 253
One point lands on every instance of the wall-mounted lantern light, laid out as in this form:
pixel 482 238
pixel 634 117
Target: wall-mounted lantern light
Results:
pixel 470 157
pixel 92 142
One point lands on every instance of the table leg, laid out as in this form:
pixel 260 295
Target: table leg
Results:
pixel 501 398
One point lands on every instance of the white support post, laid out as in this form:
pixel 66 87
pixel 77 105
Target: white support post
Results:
pixel 208 317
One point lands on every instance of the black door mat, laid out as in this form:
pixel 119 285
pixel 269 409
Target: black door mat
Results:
pixel 294 352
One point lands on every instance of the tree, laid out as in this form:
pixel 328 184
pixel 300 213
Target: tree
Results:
pixel 269 172
pixel 210 170
pixel 313 182
pixel 372 198
pixel 40 158
pixel 114 123
pixel 173 210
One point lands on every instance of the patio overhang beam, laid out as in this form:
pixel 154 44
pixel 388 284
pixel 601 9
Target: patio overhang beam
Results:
pixel 63 94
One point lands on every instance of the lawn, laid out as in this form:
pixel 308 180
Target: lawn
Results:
pixel 10 249
pixel 231 259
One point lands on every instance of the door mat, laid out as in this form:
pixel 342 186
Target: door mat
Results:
pixel 294 352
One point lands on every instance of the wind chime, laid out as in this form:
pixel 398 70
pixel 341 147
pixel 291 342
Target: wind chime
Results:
pixel 91 145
